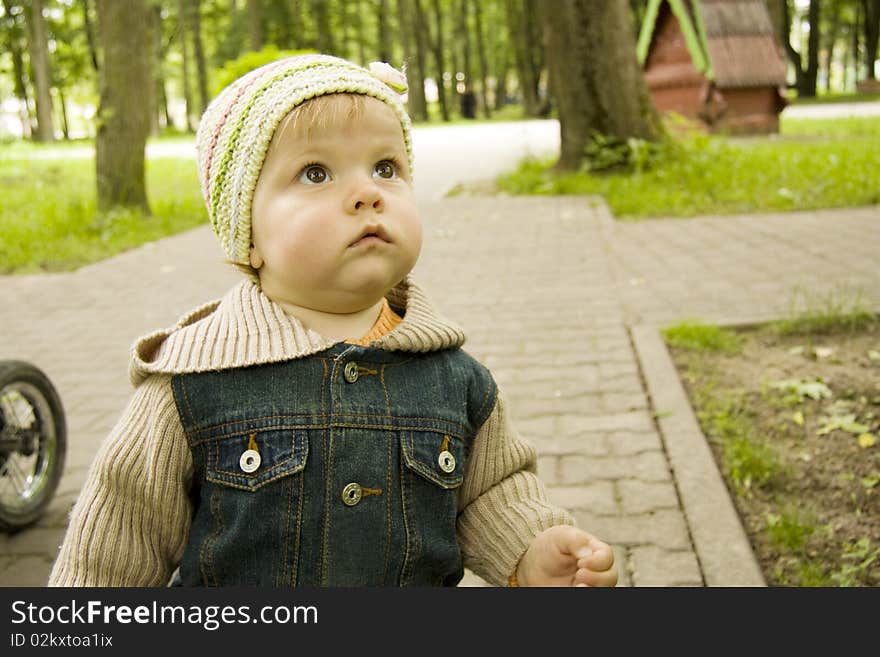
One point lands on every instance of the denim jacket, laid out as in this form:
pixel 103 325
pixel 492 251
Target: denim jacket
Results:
pixel 338 469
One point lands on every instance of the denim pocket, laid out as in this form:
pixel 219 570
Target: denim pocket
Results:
pixel 282 452
pixel 437 457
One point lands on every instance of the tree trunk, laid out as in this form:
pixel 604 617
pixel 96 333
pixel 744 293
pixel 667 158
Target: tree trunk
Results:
pixel 322 23
pixel 813 50
pixel 415 57
pixel 872 32
pixel 595 76
pixel 481 56
pixel 123 116
pixel 518 26
pixel 805 78
pixel 439 65
pixel 185 65
pixel 255 24
pixel 361 32
pixel 20 87
pixel 194 25
pixel 160 113
pixel 383 47
pixel 90 34
pixel 855 42
pixel 501 82
pixel 39 51
pixel 833 30
pixel 464 36
pixel 62 104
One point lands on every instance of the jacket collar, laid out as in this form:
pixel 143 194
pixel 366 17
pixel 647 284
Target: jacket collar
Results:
pixel 246 328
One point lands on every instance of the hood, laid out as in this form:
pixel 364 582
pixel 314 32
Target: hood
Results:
pixel 246 328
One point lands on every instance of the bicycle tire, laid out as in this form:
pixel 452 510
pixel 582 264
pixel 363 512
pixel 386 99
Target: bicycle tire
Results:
pixel 32 384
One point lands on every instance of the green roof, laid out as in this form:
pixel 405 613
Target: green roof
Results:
pixel 691 27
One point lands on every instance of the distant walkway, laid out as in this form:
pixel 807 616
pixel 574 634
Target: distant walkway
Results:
pixel 833 110
pixel 554 295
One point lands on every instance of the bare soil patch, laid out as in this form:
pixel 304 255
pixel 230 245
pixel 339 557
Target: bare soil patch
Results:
pixel 793 423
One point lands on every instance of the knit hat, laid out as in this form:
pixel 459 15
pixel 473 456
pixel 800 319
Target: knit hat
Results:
pixel 237 127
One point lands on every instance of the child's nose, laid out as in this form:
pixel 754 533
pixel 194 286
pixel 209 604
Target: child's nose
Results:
pixel 365 194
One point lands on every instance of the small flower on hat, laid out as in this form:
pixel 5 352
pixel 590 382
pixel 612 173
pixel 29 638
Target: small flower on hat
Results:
pixel 389 75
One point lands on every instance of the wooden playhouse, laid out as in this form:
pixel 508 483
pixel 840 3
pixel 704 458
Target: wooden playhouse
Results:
pixel 716 62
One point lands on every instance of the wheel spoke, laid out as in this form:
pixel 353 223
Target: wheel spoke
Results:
pixel 18 475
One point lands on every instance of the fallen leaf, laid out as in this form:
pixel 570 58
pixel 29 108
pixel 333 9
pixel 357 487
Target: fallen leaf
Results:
pixel 798 418
pixel 796 351
pixel 811 389
pixel 844 423
pixel 867 440
pixel 871 481
pixel 873 355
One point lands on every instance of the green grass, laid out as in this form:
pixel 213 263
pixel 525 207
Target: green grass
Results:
pixel 830 99
pixel 813 164
pixel 702 337
pixel 48 217
pixel 840 309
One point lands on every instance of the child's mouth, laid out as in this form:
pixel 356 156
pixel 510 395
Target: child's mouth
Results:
pixel 371 236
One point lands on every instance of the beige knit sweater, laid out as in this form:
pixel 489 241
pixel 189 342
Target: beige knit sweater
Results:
pixel 130 523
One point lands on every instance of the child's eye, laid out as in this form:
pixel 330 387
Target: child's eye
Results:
pixel 386 169
pixel 314 174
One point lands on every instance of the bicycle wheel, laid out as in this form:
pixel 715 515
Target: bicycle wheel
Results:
pixel 33 442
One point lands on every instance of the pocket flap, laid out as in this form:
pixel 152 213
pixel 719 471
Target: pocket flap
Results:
pixel 282 452
pixel 437 457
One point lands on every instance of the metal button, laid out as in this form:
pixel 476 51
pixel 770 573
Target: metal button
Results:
pixel 446 461
pixel 352 494
pixel 250 460
pixel 351 371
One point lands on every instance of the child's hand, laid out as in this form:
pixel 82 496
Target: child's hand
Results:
pixel 567 556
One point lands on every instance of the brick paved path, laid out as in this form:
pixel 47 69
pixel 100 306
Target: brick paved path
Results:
pixel 548 290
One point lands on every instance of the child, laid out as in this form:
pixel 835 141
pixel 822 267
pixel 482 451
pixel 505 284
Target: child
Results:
pixel 320 425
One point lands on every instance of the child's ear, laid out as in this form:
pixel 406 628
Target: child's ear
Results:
pixel 255 258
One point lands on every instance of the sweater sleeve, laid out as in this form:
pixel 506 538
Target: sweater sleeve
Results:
pixel 502 503
pixel 131 520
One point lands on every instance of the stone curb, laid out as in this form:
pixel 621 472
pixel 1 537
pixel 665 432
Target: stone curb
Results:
pixel 722 546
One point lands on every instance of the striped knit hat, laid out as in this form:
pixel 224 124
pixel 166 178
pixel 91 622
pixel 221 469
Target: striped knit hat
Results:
pixel 235 131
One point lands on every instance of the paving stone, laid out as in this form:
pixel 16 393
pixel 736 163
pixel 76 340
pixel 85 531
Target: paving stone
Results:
pixel 580 469
pixel 653 566
pixel 623 443
pixel 590 445
pixel 26 571
pixel 597 498
pixel 638 496
pixel 665 528
pixel 571 424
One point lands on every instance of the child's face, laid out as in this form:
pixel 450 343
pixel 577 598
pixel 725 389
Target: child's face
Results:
pixel 334 220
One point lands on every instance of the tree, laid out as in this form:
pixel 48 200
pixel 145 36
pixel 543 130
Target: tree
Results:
pixel 481 57
pixel 872 32
pixel 595 75
pixel 321 12
pixel 805 77
pixel 123 114
pixel 255 24
pixel 12 28
pixel 39 51
pixel 414 55
pixel 524 28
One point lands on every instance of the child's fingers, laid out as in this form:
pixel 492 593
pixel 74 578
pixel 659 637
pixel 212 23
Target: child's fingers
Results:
pixel 599 558
pixel 586 577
